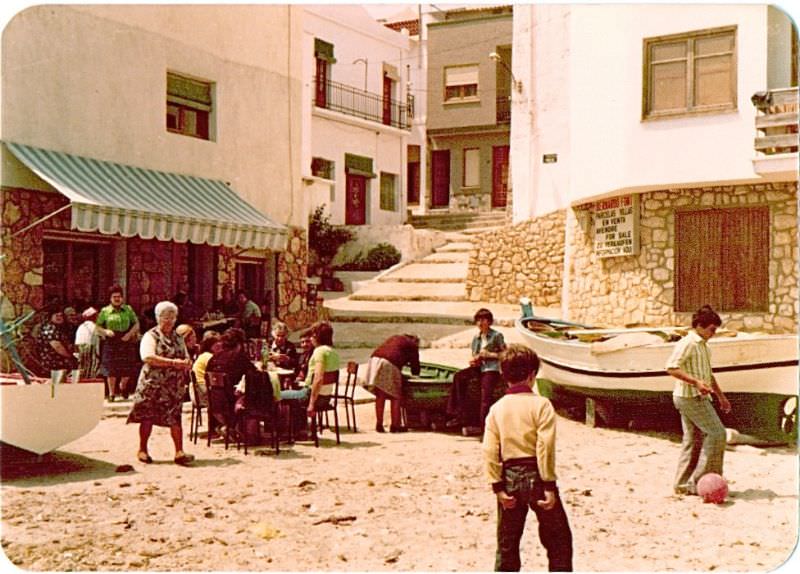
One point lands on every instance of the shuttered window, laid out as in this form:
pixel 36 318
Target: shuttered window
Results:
pixel 690 73
pixel 189 106
pixel 461 83
pixel 388 195
pixel 722 259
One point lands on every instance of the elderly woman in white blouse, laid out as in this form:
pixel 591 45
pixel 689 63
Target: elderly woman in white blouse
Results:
pixel 159 392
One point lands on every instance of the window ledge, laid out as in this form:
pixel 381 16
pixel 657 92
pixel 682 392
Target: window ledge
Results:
pixel 654 117
pixel 456 101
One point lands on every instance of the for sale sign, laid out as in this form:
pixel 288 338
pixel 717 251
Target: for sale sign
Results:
pixel 616 226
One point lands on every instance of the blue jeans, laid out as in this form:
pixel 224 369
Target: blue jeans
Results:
pixel 296 394
pixel 523 483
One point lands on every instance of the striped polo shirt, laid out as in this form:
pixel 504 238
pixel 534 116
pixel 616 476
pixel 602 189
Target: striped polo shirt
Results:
pixel 691 355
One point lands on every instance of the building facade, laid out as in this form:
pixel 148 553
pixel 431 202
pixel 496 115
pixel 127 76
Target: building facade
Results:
pixel 639 193
pixel 156 147
pixel 356 119
pixel 469 94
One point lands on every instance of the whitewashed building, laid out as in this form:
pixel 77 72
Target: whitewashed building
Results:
pixel 157 147
pixel 356 119
pixel 654 165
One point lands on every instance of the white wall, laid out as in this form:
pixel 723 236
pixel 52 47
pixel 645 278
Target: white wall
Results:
pixel 91 80
pixel 586 104
pixel 330 135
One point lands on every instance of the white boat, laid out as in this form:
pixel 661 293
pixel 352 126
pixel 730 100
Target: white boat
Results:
pixel 757 372
pixel 40 417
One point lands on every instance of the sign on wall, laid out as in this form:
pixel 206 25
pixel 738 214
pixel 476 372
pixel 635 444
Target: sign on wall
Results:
pixel 616 226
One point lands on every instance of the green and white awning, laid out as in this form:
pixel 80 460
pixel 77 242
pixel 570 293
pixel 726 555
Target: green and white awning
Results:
pixel 130 201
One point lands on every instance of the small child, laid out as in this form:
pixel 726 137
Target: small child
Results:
pixel 519 450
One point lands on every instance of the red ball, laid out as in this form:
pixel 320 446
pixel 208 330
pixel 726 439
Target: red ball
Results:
pixel 712 488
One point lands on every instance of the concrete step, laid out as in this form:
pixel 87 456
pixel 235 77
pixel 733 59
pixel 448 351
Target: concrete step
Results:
pixel 447 257
pixel 456 246
pixel 370 334
pixel 345 309
pixel 388 291
pixel 429 273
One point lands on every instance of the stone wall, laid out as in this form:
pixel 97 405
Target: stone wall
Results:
pixel 641 289
pixel 293 307
pixel 525 259
pixel 22 265
pixel 156 269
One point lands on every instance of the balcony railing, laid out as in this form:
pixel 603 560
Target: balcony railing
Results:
pixel 776 122
pixel 361 104
pixel 503 109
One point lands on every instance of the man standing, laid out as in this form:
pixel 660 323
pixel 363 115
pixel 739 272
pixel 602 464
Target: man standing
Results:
pixel 249 315
pixel 519 450
pixel 690 364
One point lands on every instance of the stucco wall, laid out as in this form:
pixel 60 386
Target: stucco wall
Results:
pixel 641 289
pixel 112 105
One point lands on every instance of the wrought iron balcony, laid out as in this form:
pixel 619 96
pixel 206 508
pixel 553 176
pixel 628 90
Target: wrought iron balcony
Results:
pixel 361 104
pixel 503 109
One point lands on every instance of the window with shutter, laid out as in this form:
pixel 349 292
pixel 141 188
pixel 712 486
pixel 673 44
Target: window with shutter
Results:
pixel 722 259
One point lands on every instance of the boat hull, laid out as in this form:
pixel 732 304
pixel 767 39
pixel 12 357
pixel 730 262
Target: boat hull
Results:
pixel 759 374
pixel 41 418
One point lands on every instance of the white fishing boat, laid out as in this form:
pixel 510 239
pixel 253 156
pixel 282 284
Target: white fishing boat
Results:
pixel 40 417
pixel 625 367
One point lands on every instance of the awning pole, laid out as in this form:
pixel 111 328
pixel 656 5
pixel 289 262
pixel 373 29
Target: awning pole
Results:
pixel 41 220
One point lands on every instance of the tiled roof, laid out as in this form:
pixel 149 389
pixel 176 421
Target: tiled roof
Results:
pixel 411 25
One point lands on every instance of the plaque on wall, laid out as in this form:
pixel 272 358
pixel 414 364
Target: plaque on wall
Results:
pixel 616 226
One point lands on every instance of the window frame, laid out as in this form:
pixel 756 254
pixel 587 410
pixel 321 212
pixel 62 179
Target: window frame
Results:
pixel 690 39
pixel 464 92
pixel 384 192
pixel 325 168
pixel 180 108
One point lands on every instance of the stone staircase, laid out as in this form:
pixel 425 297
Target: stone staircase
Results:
pixel 467 222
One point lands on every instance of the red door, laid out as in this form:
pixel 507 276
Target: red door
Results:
pixel 387 100
pixel 499 175
pixel 356 200
pixel 321 87
pixel 440 178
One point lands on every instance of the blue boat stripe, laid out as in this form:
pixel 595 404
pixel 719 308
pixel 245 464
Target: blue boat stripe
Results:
pixel 637 374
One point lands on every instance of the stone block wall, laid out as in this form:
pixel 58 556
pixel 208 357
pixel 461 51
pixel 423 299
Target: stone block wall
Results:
pixel 525 259
pixel 293 307
pixel 641 289
pixel 155 270
pixel 22 265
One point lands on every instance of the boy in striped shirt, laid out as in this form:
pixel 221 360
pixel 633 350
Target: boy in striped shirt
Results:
pixel 703 445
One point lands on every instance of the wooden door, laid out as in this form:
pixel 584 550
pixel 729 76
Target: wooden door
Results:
pixel 356 200
pixel 500 162
pixel 387 100
pixel 440 178
pixel 321 84
pixel 412 182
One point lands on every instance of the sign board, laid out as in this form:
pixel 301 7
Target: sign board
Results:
pixel 616 226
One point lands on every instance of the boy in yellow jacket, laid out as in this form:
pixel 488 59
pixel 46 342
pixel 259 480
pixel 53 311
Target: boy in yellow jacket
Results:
pixel 519 450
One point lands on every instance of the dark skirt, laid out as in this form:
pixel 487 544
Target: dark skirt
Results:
pixel 119 358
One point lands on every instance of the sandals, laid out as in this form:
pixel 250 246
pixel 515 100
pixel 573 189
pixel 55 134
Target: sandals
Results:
pixel 144 457
pixel 184 459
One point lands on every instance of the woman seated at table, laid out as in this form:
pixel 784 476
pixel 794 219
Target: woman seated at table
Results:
pixel 208 348
pixel 323 368
pixel 231 360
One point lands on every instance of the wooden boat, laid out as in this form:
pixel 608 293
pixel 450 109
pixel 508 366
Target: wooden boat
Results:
pixel 40 417
pixel 425 395
pixel 623 369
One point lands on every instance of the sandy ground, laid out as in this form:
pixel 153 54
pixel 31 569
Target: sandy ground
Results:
pixel 382 502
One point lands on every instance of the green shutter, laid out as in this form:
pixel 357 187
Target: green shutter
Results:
pixel 323 50
pixel 358 165
pixel 188 89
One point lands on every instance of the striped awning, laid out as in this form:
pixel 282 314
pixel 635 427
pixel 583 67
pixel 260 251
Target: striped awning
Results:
pixel 112 198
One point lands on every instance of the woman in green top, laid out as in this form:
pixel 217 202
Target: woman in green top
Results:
pixel 120 327
pixel 323 368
